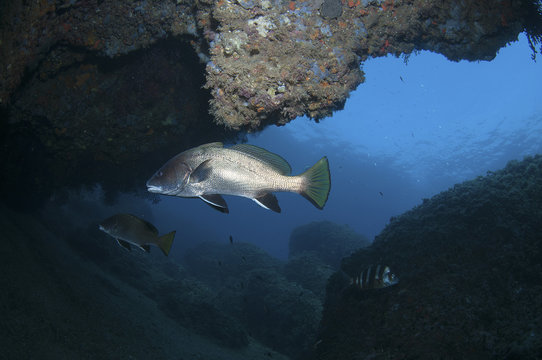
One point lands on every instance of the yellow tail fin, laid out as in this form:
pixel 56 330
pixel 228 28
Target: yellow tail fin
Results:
pixel 318 183
pixel 165 241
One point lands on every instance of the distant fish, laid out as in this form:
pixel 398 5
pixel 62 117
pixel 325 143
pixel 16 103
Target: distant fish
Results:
pixel 209 171
pixel 130 230
pixel 400 77
pixel 375 277
pixel 381 193
pixel 231 239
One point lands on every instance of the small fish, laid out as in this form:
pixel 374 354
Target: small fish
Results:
pixel 400 77
pixel 244 258
pixel 211 170
pixel 375 277
pixel 130 230
pixel 381 193
pixel 231 239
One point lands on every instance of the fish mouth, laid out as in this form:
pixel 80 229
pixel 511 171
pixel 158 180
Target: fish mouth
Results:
pixel 154 189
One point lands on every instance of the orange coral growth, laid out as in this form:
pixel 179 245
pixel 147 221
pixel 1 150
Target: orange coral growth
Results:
pixel 291 5
pixel 387 5
pixel 60 131
pixel 82 79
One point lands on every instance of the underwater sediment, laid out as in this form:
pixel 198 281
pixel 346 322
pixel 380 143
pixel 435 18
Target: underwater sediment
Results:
pixel 469 262
pixel 100 84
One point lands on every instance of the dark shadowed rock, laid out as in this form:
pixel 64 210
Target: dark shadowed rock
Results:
pixel 310 272
pixel 250 286
pixel 215 263
pixel 329 241
pixel 469 263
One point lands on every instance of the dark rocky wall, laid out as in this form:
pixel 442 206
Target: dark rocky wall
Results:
pixel 469 262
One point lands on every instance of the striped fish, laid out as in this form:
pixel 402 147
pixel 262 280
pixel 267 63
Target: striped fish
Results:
pixel 375 277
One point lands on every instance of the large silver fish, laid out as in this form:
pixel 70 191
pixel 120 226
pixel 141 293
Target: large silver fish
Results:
pixel 130 230
pixel 209 170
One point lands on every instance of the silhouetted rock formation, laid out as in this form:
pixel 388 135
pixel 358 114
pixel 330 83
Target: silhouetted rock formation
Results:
pixel 330 242
pixel 309 271
pixel 469 262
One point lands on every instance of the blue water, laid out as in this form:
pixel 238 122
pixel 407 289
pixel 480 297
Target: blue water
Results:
pixel 409 132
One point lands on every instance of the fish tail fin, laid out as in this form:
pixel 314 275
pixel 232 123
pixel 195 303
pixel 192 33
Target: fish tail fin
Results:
pixel 165 241
pixel 317 183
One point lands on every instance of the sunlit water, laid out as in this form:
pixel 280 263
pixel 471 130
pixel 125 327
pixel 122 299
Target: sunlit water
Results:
pixel 410 131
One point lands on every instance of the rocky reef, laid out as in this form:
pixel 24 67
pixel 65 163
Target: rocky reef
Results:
pixel 89 85
pixel 69 291
pixel 279 303
pixel 330 242
pixel 251 287
pixel 469 263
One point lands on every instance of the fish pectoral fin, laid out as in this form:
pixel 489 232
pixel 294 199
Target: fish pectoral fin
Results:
pixel 201 173
pixel 146 248
pixel 124 244
pixel 269 202
pixel 216 201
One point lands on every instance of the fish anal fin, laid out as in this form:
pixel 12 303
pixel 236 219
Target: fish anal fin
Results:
pixel 273 160
pixel 124 244
pixel 268 201
pixel 216 201
pixel 202 172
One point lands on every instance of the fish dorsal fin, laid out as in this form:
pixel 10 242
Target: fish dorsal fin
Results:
pixel 150 226
pixel 216 144
pixel 274 160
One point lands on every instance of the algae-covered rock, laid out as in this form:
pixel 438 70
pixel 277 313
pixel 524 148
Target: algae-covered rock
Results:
pixel 214 263
pixel 279 313
pixel 329 241
pixel 310 272
pixel 190 303
pixel 59 303
pixel 469 262
pixel 249 285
